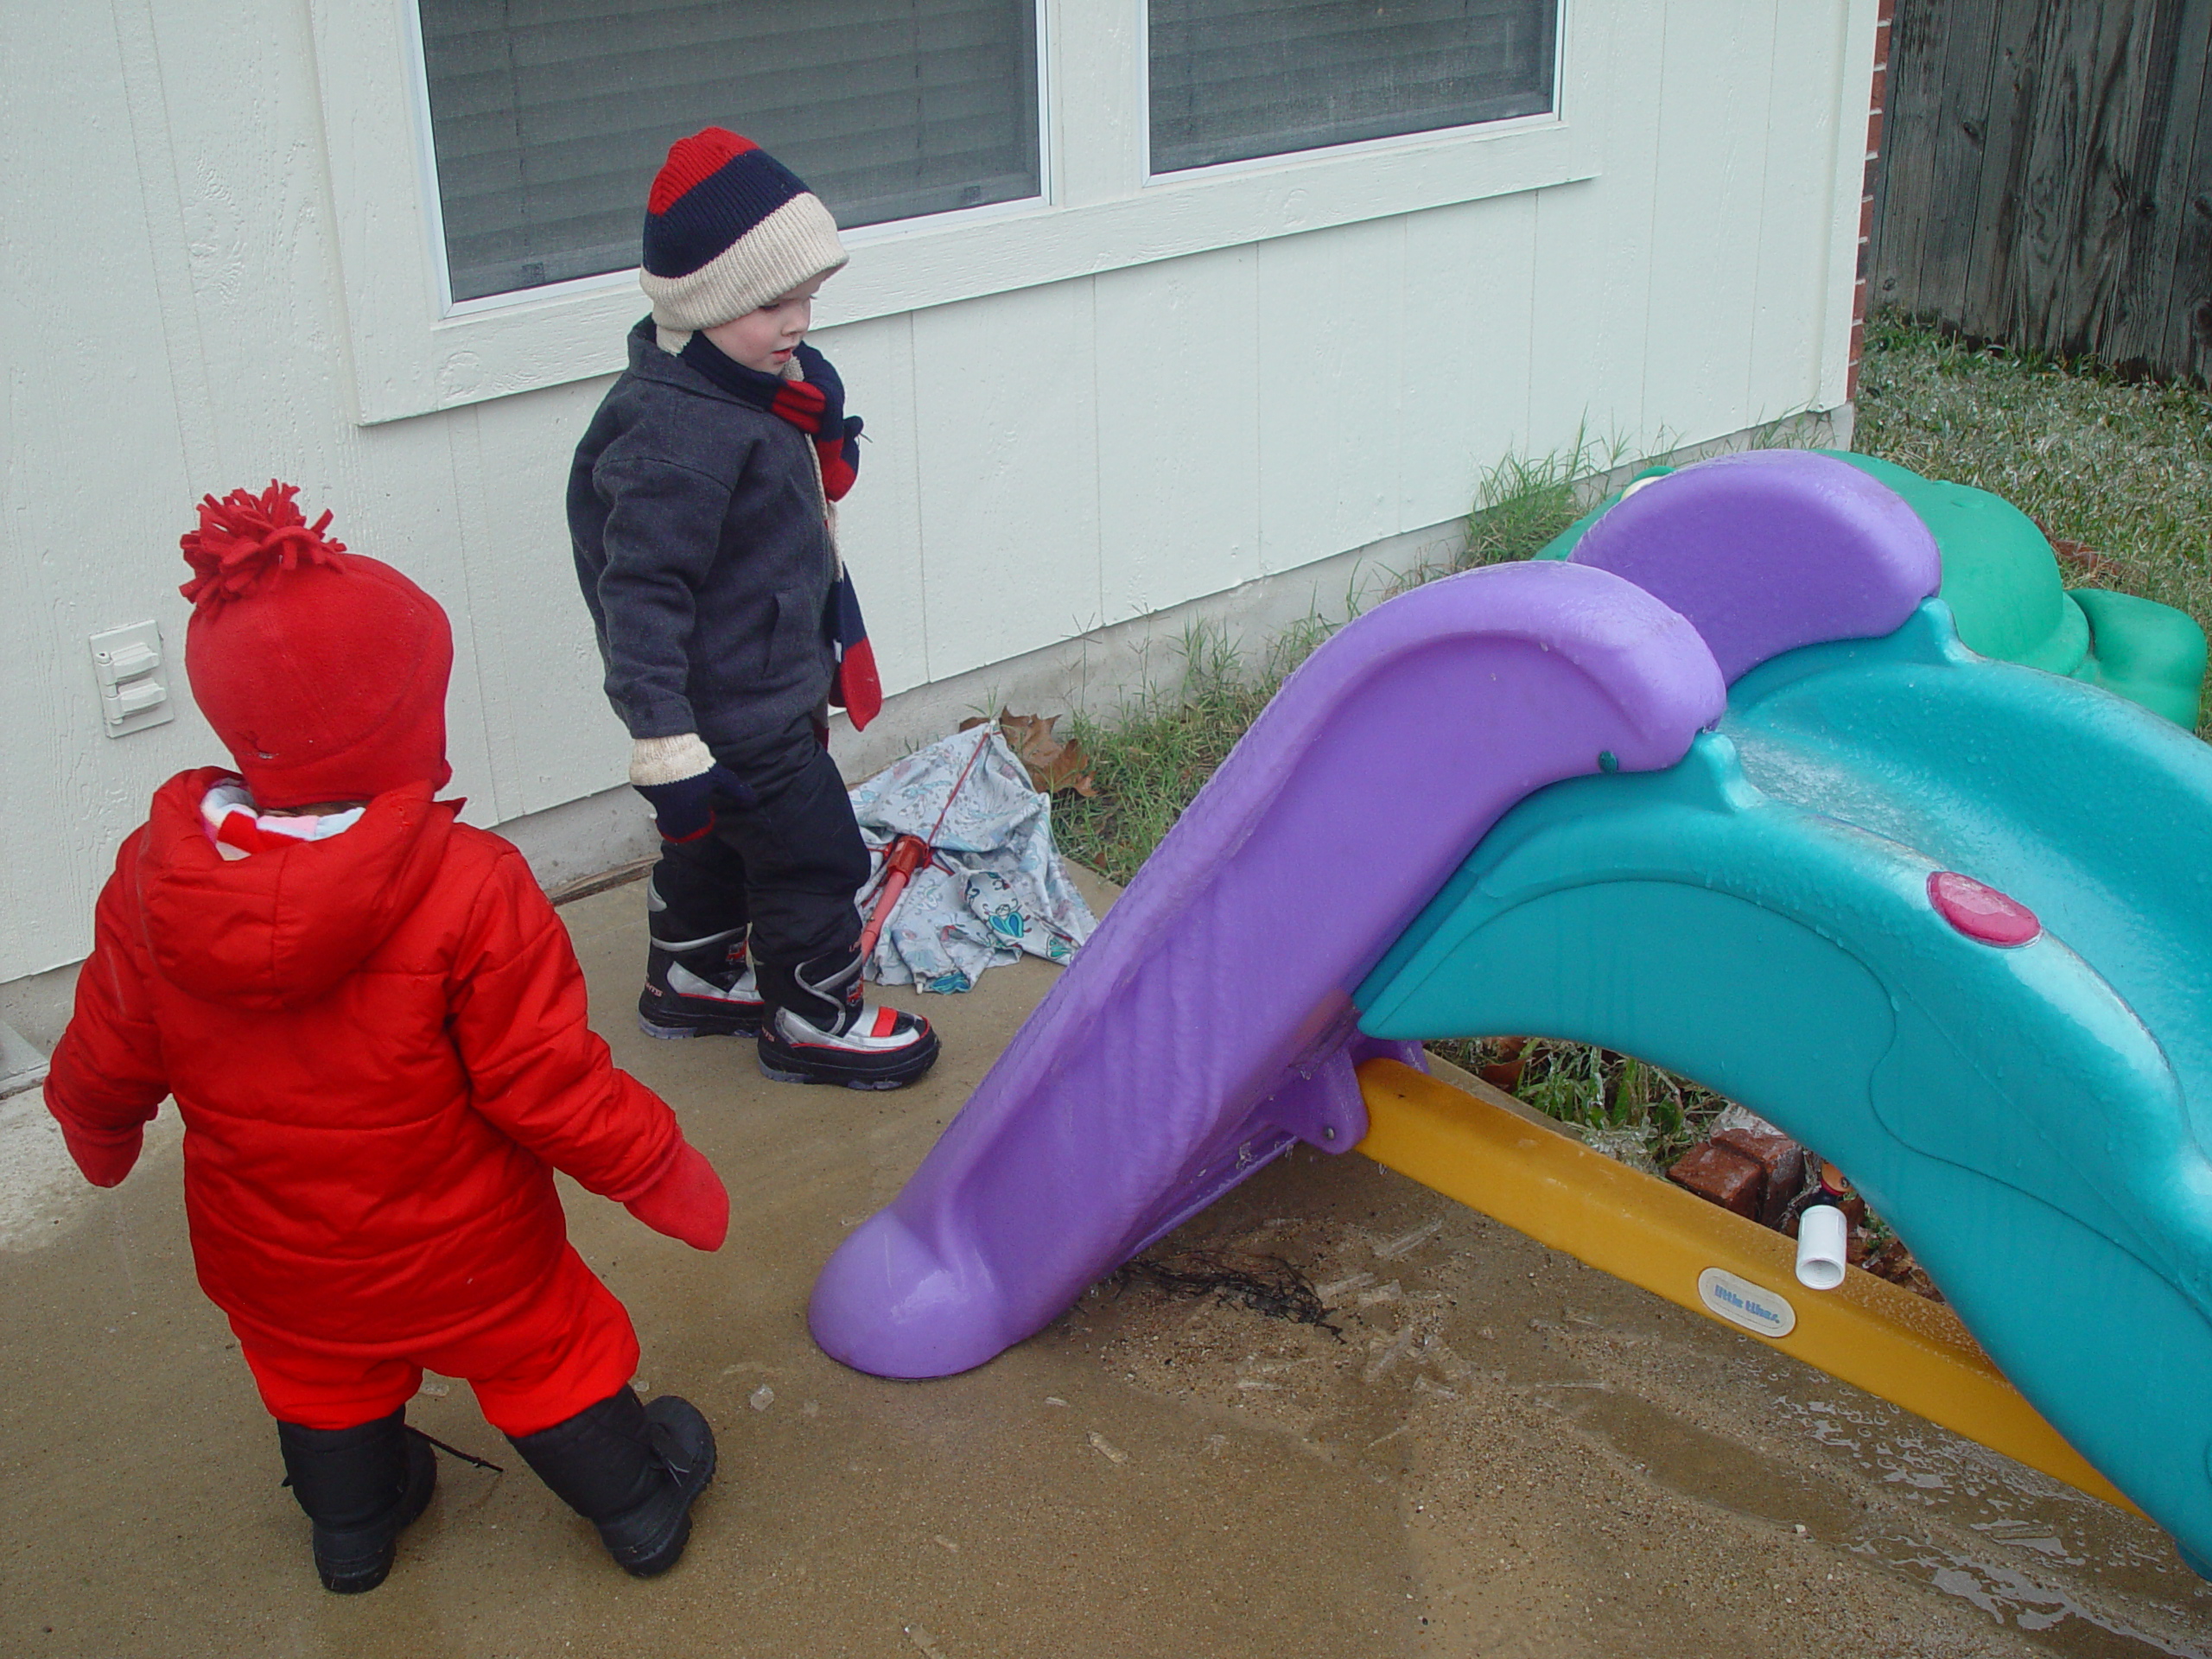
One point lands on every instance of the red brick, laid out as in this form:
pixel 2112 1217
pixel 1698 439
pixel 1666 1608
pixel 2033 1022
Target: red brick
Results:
pixel 1865 217
pixel 1504 1072
pixel 1781 1159
pixel 1881 84
pixel 1724 1176
pixel 1874 133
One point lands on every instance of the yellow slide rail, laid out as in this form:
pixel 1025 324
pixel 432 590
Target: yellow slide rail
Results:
pixel 1867 1331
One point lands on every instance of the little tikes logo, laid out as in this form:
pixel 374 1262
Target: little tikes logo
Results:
pixel 1741 1302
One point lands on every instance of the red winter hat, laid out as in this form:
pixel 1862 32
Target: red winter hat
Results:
pixel 323 672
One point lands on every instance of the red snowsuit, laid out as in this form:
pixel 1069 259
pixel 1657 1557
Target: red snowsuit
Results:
pixel 378 1045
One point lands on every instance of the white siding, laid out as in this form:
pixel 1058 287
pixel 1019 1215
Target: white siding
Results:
pixel 1332 325
pixel 1179 488
pixel 1040 462
pixel 1005 435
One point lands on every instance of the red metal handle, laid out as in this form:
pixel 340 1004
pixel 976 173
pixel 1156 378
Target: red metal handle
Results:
pixel 901 859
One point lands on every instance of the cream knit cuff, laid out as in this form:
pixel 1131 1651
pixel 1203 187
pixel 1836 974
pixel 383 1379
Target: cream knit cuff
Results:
pixel 668 759
pixel 791 246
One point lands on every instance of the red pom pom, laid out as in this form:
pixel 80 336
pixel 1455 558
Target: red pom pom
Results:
pixel 243 537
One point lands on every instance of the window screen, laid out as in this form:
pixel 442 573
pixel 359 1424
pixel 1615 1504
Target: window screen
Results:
pixel 1236 79
pixel 549 117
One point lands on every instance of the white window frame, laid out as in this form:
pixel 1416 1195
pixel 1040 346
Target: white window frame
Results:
pixel 414 352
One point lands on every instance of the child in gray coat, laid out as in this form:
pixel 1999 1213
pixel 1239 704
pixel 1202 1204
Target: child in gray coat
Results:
pixel 700 510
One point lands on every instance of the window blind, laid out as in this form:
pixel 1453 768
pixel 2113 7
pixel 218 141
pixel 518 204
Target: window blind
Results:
pixel 549 117
pixel 1232 79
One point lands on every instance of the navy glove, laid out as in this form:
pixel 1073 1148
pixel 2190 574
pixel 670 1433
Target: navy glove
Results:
pixel 683 808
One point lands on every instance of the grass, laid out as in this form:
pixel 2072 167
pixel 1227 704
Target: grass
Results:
pixel 1152 755
pixel 1625 1107
pixel 1522 504
pixel 2124 468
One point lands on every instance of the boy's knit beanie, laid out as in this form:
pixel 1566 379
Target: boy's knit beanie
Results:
pixel 323 672
pixel 729 228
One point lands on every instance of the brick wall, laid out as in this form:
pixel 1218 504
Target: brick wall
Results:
pixel 1866 196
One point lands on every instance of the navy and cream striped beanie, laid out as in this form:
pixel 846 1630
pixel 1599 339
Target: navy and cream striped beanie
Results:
pixel 729 228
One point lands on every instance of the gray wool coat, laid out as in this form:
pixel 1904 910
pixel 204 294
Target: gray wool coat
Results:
pixel 696 522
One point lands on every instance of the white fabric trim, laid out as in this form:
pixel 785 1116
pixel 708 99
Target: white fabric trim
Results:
pixel 668 759
pixel 229 796
pixel 793 245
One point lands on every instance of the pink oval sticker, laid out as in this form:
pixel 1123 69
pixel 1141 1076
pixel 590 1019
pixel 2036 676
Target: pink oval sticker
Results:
pixel 1980 911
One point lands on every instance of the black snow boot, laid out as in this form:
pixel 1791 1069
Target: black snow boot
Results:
pixel 699 986
pixel 631 1470
pixel 361 1487
pixel 821 1029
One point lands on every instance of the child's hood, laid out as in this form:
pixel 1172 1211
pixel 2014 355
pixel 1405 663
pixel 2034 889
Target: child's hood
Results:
pixel 280 929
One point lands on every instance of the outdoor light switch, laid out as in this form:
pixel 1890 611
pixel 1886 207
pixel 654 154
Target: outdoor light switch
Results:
pixel 134 690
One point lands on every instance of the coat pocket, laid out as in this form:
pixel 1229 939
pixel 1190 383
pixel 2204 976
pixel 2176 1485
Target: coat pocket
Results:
pixel 797 643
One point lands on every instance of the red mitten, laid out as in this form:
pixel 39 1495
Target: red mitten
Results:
pixel 690 1203
pixel 104 1156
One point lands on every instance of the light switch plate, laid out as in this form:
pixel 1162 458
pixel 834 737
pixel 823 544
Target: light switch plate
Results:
pixel 134 680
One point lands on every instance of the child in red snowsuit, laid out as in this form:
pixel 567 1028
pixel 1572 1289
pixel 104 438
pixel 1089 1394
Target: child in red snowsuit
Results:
pixel 374 1030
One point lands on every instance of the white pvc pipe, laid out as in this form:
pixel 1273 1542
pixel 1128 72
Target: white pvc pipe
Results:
pixel 1822 1241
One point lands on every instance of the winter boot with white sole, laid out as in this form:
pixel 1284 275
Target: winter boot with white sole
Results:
pixel 820 1028
pixel 697 988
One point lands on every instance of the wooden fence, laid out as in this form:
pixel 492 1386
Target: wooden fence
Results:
pixel 2047 177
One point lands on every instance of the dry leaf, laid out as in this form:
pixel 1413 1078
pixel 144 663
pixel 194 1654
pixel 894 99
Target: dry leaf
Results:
pixel 1054 763
pixel 2078 560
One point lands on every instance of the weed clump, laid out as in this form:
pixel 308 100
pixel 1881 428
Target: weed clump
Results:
pixel 1522 502
pixel 1628 1106
pixel 1150 758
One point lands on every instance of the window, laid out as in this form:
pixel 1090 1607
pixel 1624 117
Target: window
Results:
pixel 489 159
pixel 1233 80
pixel 549 117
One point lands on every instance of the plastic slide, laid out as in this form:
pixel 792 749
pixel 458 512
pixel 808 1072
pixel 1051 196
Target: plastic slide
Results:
pixel 1949 920
pixel 1208 1024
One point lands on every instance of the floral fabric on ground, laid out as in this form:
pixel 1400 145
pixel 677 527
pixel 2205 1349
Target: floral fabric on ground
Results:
pixel 995 888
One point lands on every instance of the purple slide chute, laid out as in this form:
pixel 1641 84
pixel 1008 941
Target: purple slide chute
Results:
pixel 1770 550
pixel 1208 1025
